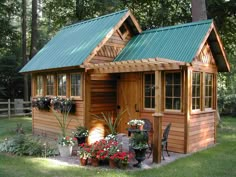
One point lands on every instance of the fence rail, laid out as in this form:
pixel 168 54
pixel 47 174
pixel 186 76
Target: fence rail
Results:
pixel 16 108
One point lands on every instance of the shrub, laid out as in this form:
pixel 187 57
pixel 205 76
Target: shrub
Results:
pixel 26 145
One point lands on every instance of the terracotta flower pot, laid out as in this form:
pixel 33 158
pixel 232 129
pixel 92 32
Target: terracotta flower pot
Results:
pixel 112 163
pixel 95 162
pixel 83 162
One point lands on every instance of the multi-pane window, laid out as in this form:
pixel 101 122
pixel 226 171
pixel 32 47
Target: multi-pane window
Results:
pixel 39 85
pixel 75 84
pixel 208 90
pixel 196 96
pixel 149 93
pixel 61 85
pixel 50 84
pixel 173 91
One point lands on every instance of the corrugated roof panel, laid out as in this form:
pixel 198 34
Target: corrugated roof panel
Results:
pixel 178 43
pixel 73 44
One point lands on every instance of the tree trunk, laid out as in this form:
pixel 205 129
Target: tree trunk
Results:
pixel 33 48
pixel 199 10
pixel 24 57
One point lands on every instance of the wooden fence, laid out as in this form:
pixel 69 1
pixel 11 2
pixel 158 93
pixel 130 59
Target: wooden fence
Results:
pixel 16 108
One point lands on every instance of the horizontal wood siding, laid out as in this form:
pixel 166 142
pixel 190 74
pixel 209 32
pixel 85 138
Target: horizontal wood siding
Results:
pixel 103 99
pixel 45 123
pixel 201 131
pixel 176 136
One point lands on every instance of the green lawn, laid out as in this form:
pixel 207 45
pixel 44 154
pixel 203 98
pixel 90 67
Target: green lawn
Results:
pixel 218 161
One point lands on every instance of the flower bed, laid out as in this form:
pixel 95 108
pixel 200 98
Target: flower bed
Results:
pixel 103 151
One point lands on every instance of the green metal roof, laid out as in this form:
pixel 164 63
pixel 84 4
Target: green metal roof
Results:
pixel 73 44
pixel 179 43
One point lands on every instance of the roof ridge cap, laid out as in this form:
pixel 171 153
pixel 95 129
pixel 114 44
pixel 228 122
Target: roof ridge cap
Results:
pixel 93 19
pixel 178 26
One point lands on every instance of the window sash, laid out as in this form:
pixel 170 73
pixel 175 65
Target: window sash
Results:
pixel 39 85
pixel 61 85
pixel 208 90
pixel 50 84
pixel 149 90
pixel 173 91
pixel 76 84
pixel 196 90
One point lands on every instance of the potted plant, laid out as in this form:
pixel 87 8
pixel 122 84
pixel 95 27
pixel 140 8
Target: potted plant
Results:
pixel 121 158
pixel 112 122
pixel 139 143
pixel 63 104
pixel 136 124
pixel 42 103
pixel 65 144
pixel 81 134
pixel 84 153
pixel 63 120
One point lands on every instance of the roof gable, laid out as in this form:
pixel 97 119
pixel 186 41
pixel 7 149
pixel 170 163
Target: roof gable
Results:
pixel 73 44
pixel 179 43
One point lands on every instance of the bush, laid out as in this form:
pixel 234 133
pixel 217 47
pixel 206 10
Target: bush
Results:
pixel 26 145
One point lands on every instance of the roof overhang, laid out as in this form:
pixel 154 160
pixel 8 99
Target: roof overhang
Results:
pixel 217 48
pixel 151 64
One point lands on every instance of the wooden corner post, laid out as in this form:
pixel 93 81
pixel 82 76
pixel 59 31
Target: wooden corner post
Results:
pixel 157 123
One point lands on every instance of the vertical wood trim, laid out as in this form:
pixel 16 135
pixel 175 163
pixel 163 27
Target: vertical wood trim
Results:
pixel 55 85
pixel 44 85
pixel 68 85
pixel 87 99
pixel 33 85
pixel 215 105
pixel 157 123
pixel 202 92
pixel 188 105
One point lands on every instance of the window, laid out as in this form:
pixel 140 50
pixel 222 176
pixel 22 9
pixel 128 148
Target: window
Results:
pixel 39 85
pixel 149 93
pixel 173 91
pixel 196 96
pixel 75 84
pixel 208 90
pixel 50 84
pixel 61 85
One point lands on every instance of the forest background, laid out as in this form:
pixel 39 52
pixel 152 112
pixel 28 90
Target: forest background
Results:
pixel 27 25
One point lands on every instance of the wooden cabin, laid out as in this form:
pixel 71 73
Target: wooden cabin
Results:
pixel 109 64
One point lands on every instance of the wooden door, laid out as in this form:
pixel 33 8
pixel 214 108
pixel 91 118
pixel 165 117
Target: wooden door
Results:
pixel 129 98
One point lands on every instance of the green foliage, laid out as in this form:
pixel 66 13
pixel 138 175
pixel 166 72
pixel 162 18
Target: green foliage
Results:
pixel 11 83
pixel 26 145
pixel 110 121
pixel 139 140
pixel 63 119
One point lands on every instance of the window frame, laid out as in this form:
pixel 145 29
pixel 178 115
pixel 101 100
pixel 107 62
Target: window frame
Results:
pixel 58 84
pixel 38 85
pixel 52 76
pixel 151 96
pixel 200 92
pixel 212 91
pixel 80 87
pixel 173 97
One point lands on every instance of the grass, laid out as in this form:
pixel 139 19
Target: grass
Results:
pixel 218 161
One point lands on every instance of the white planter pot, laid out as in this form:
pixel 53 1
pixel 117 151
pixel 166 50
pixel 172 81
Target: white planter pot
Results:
pixel 65 151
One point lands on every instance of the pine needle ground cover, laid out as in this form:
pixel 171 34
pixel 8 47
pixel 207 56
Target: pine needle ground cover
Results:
pixel 218 161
